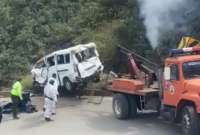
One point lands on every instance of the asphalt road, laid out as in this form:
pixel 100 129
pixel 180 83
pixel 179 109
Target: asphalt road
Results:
pixel 75 117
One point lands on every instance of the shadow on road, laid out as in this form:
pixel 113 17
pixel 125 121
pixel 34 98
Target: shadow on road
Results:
pixel 144 124
pixel 33 121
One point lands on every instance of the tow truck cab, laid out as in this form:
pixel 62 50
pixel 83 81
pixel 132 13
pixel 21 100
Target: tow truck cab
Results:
pixel 181 95
pixel 179 98
pixel 182 81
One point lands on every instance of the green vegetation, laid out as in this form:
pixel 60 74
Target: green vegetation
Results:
pixel 27 82
pixel 30 29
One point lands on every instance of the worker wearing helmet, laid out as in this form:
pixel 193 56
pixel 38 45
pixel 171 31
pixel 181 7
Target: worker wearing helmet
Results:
pixel 16 97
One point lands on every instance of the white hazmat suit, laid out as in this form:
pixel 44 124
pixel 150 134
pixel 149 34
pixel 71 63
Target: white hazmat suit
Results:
pixel 56 92
pixel 50 100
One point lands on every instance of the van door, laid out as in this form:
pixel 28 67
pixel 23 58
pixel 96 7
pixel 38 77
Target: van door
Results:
pixel 64 67
pixel 40 72
pixel 51 66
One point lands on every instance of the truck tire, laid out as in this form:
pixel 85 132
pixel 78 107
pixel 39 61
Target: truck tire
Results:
pixel 68 85
pixel 120 106
pixel 190 121
pixel 132 106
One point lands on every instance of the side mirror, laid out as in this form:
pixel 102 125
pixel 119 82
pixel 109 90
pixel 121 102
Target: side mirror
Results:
pixel 167 72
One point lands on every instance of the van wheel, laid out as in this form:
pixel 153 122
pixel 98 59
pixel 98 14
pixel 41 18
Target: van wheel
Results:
pixel 190 124
pixel 68 85
pixel 120 106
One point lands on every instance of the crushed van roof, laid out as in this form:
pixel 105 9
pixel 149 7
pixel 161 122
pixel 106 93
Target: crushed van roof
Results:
pixel 76 48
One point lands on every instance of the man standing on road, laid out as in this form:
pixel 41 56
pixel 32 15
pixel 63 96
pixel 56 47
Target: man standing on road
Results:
pixel 56 92
pixel 50 95
pixel 16 97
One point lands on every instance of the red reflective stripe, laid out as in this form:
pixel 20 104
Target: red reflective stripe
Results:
pixel 195 49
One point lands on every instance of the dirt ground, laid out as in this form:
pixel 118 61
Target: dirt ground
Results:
pixel 75 117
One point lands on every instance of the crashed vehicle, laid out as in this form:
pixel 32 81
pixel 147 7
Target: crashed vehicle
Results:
pixel 74 67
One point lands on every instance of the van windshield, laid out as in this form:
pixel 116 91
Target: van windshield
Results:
pixel 85 54
pixel 191 69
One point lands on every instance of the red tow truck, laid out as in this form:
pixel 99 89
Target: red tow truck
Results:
pixel 173 89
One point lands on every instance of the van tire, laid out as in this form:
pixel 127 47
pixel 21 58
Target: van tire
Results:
pixel 190 121
pixel 68 85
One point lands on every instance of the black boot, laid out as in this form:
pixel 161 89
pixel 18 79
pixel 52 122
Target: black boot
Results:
pixel 48 119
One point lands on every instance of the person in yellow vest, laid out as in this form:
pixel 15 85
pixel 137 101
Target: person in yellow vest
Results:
pixel 16 97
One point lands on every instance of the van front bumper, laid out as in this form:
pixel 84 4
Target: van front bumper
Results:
pixel 91 77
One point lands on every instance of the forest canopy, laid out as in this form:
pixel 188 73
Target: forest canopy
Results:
pixel 30 29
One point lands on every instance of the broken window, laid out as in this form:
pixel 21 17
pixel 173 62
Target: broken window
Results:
pixel 51 61
pixel 92 52
pixel 85 54
pixel 78 57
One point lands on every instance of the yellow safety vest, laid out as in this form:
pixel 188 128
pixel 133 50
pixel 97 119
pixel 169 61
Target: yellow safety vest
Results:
pixel 17 89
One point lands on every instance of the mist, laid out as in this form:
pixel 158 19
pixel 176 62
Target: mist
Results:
pixel 161 16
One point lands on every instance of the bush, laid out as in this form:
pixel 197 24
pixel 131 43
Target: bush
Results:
pixel 27 82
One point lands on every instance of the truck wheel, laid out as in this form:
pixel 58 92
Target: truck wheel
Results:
pixel 68 85
pixel 190 124
pixel 132 106
pixel 120 106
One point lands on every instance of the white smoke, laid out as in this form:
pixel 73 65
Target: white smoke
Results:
pixel 161 16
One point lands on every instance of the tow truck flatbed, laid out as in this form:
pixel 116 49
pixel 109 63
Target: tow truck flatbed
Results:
pixel 142 92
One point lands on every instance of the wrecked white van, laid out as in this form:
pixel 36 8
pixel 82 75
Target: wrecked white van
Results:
pixel 73 66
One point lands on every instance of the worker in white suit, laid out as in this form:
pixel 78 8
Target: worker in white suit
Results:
pixel 56 92
pixel 50 99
